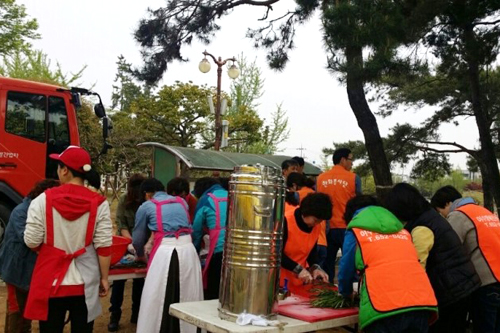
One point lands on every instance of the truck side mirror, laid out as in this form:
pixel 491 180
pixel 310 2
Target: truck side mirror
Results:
pixel 99 110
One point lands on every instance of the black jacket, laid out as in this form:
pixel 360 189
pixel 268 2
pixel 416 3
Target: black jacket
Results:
pixel 449 268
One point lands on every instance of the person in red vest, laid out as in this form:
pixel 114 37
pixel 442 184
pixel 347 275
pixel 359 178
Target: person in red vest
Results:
pixel 341 185
pixel 479 232
pixel 395 292
pixel 299 263
pixel 71 226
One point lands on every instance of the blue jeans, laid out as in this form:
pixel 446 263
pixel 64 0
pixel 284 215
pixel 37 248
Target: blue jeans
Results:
pixel 486 309
pixel 406 322
pixel 335 240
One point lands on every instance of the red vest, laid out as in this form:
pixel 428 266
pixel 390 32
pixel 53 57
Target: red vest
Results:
pixel 488 235
pixel 53 263
pixel 394 278
pixel 298 246
pixel 340 185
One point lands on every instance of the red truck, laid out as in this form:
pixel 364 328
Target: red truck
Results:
pixel 36 120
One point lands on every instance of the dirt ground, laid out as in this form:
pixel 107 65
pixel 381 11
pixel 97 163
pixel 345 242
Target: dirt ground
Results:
pixel 101 323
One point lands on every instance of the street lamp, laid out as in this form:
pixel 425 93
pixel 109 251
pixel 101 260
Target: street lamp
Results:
pixel 233 73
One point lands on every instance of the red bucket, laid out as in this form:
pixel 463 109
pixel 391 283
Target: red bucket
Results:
pixel 119 248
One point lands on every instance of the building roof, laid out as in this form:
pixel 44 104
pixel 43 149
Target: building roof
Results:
pixel 201 159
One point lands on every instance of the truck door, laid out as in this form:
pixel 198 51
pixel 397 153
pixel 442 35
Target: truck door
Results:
pixel 22 139
pixel 59 135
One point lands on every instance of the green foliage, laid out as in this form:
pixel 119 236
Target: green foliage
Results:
pixel 125 89
pixel 248 133
pixel 368 185
pixel 36 66
pixel 429 187
pixel 90 132
pixel 432 167
pixel 176 115
pixel 272 135
pixel 327 298
pixel 472 165
pixel 16 28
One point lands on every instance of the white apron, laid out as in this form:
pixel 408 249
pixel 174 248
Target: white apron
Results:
pixel 153 294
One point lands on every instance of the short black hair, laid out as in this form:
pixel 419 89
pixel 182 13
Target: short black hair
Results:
pixel 288 163
pixel 339 154
pixel 203 184
pixel 151 185
pixel 318 205
pixel 299 160
pixel 224 182
pixel 177 186
pixel 309 182
pixel 358 202
pixel 406 202
pixel 295 178
pixel 444 195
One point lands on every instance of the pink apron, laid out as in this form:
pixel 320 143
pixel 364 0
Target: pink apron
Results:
pixel 214 236
pixel 160 234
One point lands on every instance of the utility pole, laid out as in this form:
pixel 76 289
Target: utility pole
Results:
pixel 301 150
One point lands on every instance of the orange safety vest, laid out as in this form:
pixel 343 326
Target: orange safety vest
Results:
pixel 488 235
pixel 303 192
pixel 340 185
pixel 394 278
pixel 289 208
pixel 298 246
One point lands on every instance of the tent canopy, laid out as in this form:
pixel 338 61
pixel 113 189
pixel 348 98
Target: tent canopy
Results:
pixel 200 159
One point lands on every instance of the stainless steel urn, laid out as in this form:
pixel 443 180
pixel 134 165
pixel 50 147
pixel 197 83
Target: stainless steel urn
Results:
pixel 252 248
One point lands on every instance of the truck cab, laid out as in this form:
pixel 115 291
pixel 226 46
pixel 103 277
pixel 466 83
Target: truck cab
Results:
pixel 36 120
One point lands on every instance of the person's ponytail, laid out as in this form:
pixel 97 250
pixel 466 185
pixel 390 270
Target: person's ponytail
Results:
pixel 93 178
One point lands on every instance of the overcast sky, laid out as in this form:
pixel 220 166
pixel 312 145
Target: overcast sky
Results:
pixel 95 33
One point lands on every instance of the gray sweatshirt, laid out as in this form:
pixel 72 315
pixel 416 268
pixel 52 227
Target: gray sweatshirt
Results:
pixel 466 231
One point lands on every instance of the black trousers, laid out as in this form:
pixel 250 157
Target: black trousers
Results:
pixel 170 324
pixel 77 309
pixel 213 277
pixel 116 299
pixel 452 318
pixel 407 322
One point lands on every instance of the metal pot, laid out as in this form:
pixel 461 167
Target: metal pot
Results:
pixel 253 243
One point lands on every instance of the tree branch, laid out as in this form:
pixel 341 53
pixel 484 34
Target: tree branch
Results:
pixel 445 144
pixel 487 23
pixel 439 150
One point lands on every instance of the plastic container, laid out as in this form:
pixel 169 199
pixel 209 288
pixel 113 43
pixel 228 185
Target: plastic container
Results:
pixel 119 248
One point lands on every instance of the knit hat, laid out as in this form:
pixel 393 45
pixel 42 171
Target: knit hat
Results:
pixel 75 158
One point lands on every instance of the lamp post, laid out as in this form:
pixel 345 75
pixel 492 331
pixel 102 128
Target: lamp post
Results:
pixel 233 73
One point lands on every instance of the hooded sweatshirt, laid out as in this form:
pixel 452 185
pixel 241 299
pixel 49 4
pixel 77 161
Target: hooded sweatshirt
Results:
pixel 70 217
pixel 466 231
pixel 379 220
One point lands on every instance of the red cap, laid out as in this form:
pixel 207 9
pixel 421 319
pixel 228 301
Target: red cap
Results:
pixel 75 158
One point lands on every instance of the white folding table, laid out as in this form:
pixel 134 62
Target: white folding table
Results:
pixel 204 314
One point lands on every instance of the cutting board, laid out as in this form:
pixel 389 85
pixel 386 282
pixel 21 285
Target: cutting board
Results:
pixel 304 311
pixel 298 307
